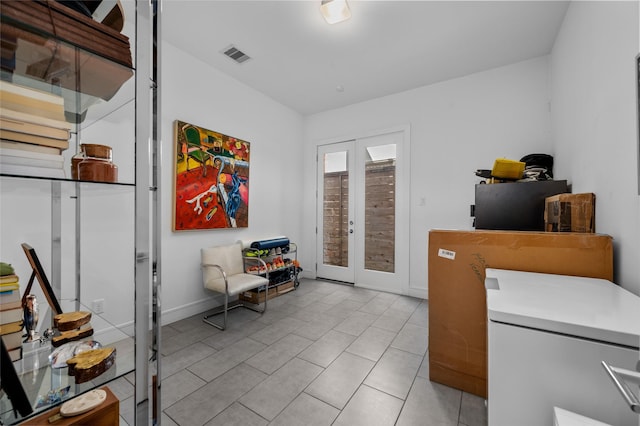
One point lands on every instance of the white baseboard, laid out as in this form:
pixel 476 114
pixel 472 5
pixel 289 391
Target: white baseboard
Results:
pixel 413 292
pixel 420 293
pixel 190 309
pixel 308 274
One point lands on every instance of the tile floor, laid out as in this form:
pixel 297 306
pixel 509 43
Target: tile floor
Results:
pixel 325 354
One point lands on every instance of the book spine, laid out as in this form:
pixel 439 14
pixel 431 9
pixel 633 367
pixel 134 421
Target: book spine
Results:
pixel 33 109
pixel 12 340
pixel 23 146
pixel 21 170
pixel 12 278
pixel 32 162
pixel 7 89
pixel 9 297
pixel 9 100
pixel 34 129
pixel 11 327
pixel 16 304
pixel 10 316
pixel 9 286
pixel 4 152
pixel 35 119
pixel 38 140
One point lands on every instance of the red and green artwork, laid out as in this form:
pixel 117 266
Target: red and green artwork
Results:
pixel 211 179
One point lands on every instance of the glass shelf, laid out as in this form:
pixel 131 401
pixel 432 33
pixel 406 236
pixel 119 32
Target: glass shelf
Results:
pixel 38 377
pixel 97 96
pixel 106 261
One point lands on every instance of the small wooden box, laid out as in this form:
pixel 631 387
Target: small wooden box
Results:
pixel 570 213
pixel 107 414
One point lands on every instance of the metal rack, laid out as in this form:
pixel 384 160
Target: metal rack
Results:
pixel 282 264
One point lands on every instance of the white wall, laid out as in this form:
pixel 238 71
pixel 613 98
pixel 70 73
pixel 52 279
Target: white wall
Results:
pixel 196 93
pixel 595 121
pixel 457 127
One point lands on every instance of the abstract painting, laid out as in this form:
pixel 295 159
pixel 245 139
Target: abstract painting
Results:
pixel 211 179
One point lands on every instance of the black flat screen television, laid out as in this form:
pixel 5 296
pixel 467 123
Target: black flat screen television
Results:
pixel 514 206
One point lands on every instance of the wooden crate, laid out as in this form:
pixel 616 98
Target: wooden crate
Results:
pixel 257 297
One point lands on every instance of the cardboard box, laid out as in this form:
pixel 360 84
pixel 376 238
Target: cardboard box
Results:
pixel 570 213
pixel 256 297
pixel 457 297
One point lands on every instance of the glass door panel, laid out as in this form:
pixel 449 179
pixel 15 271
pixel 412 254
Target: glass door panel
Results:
pixel 380 208
pixel 335 233
pixel 335 206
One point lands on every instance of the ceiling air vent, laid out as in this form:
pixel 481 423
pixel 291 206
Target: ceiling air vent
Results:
pixel 235 54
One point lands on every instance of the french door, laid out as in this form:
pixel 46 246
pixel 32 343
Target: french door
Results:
pixel 362 212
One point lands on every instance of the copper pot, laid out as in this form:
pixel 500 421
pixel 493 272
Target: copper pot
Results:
pixel 93 163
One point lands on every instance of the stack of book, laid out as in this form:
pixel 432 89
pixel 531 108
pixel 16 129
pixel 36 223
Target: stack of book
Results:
pixel 11 315
pixel 98 68
pixel 56 18
pixel 33 132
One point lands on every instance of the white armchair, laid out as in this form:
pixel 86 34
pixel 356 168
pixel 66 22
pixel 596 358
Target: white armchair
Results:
pixel 223 271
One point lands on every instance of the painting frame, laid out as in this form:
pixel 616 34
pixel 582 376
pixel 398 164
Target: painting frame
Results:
pixel 12 384
pixel 39 274
pixel 210 179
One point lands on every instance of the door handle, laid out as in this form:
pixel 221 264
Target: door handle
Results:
pixel 618 375
pixel 351 231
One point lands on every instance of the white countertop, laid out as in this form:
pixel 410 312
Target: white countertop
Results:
pixel 584 307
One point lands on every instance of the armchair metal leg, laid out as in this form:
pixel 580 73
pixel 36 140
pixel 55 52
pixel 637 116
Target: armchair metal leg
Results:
pixel 264 308
pixel 226 308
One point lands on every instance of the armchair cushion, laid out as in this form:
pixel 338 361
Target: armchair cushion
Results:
pixel 229 258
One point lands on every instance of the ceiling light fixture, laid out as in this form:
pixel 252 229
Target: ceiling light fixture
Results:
pixel 335 11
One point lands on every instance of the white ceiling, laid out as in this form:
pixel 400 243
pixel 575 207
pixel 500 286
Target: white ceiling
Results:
pixel 386 47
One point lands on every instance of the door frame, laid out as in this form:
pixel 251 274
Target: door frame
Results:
pixel 403 204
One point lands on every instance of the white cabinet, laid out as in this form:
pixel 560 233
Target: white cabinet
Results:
pixel 547 337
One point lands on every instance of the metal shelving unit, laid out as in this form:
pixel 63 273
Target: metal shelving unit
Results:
pixel 99 241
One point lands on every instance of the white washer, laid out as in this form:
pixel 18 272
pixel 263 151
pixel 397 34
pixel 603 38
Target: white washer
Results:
pixel 567 418
pixel 547 337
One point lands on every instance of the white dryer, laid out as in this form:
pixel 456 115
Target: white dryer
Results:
pixel 547 338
